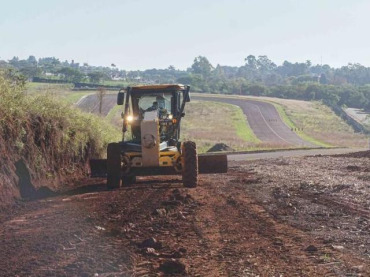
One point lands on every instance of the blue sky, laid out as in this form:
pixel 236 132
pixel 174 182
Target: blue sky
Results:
pixel 146 34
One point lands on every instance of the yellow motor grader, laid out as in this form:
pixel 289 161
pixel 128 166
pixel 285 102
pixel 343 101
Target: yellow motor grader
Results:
pixel 151 139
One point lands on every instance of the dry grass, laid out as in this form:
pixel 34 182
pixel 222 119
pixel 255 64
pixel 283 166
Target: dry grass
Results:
pixel 319 123
pixel 208 123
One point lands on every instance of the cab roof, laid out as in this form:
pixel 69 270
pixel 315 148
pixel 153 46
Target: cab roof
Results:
pixel 152 88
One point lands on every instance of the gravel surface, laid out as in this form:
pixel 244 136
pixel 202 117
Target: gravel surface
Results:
pixel 297 216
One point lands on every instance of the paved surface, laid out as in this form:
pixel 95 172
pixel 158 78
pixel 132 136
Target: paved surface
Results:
pixel 264 120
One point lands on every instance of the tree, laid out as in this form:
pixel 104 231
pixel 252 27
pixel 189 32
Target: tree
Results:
pixel 251 62
pixel 265 65
pixel 71 74
pixel 32 61
pixel 323 79
pixel 97 76
pixel 202 67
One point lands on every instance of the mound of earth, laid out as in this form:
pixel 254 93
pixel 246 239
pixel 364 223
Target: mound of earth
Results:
pixel 220 147
pixel 362 154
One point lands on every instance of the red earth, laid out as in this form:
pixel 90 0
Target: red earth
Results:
pixel 295 216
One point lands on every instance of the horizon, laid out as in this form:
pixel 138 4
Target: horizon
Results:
pixel 176 68
pixel 140 35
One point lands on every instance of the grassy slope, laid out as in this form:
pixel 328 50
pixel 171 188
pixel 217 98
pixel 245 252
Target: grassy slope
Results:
pixel 320 125
pixel 209 123
pixel 300 131
pixel 60 90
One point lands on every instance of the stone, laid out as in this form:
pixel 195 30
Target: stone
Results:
pixel 172 267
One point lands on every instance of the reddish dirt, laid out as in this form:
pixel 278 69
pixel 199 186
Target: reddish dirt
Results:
pixel 303 216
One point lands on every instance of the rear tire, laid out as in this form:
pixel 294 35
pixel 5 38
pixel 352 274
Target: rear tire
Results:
pixel 128 181
pixel 113 166
pixel 190 165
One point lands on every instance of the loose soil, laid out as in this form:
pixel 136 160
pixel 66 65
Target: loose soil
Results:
pixel 298 216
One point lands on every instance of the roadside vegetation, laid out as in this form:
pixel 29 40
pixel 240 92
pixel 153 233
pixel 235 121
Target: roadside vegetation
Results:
pixel 259 76
pixel 51 138
pixel 324 127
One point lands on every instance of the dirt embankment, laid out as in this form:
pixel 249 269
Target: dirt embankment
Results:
pixel 44 143
pixel 304 216
pixel 40 166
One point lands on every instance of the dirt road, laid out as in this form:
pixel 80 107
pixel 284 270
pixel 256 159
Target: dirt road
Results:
pixel 298 216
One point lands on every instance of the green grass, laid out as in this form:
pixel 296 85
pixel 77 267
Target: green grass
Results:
pixel 115 83
pixel 73 97
pixel 208 123
pixel 34 88
pixel 324 127
pixel 58 90
pixel 241 125
pixel 319 123
pixel 287 120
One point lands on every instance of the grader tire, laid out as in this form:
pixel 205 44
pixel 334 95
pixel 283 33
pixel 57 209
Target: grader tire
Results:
pixel 128 181
pixel 190 166
pixel 113 166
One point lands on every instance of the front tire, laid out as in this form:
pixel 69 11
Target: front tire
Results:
pixel 190 164
pixel 113 166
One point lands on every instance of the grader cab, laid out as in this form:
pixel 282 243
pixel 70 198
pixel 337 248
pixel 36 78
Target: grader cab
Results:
pixel 151 139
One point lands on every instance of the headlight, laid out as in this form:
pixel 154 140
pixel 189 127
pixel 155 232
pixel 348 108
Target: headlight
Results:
pixel 129 118
pixel 170 116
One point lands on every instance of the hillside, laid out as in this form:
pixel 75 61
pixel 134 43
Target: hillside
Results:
pixel 311 120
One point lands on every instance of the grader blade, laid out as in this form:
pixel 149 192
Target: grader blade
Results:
pixel 209 164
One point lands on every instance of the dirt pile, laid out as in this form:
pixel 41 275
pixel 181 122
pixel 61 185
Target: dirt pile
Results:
pixel 362 154
pixel 219 147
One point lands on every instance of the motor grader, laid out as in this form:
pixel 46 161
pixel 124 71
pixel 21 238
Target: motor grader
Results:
pixel 151 143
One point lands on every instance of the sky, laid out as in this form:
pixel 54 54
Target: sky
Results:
pixel 144 34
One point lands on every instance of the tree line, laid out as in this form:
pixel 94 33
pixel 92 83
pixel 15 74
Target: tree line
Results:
pixel 348 85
